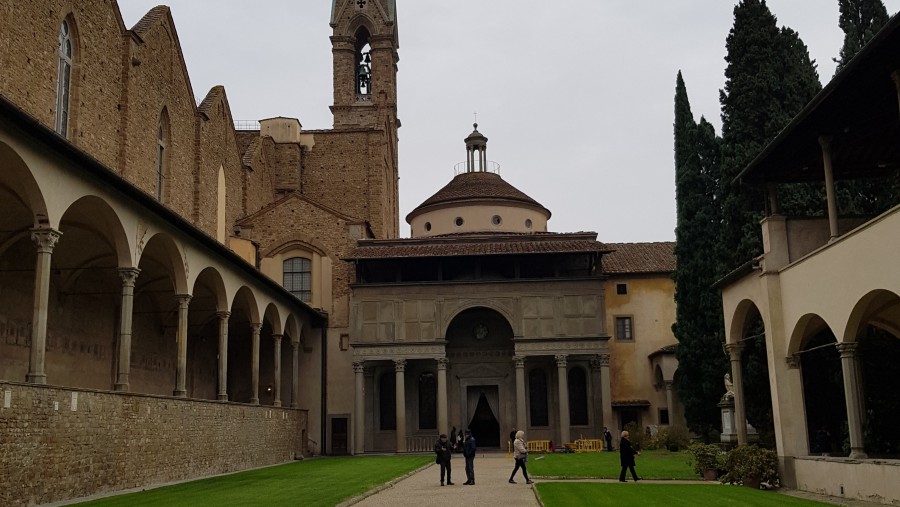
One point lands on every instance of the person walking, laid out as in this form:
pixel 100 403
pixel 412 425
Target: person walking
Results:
pixel 626 457
pixel 607 436
pixel 469 449
pixel 520 453
pixel 444 453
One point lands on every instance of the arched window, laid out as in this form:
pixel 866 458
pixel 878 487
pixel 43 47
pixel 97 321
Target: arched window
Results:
pixel 298 278
pixel 220 206
pixel 537 395
pixel 387 402
pixel 427 401
pixel 363 63
pixel 64 78
pixel 162 146
pixel 578 403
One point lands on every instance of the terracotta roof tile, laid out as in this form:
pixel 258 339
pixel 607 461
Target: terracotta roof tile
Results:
pixel 476 186
pixel 640 258
pixel 475 244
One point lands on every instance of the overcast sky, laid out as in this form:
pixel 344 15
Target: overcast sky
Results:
pixel 575 97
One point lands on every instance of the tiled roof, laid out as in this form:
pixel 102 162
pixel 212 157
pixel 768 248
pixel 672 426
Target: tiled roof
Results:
pixel 152 16
pixel 476 186
pixel 668 349
pixel 478 244
pixel 640 258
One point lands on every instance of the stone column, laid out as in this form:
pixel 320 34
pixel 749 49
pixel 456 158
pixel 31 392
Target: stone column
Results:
pixel 128 276
pixel 849 366
pixel 44 240
pixel 181 339
pixel 563 382
pixel 222 394
pixel 359 422
pixel 442 423
pixel 737 379
pixel 825 142
pixel 276 390
pixel 521 414
pixel 597 397
pixel 606 391
pixel 295 373
pixel 369 422
pixel 400 369
pixel 670 402
pixel 254 365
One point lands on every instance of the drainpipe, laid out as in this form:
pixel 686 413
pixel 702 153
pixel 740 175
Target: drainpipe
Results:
pixel 324 383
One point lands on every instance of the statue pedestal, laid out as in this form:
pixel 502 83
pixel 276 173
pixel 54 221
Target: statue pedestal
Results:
pixel 729 428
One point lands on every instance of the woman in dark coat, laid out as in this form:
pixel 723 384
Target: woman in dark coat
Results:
pixel 626 457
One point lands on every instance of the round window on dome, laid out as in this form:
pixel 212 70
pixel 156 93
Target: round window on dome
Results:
pixel 427 226
pixel 496 220
pixel 459 221
pixel 528 223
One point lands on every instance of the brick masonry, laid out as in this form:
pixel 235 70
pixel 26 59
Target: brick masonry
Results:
pixel 49 436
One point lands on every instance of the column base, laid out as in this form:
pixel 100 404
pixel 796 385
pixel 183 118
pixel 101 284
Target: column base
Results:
pixel 276 403
pixel 179 393
pixel 858 454
pixel 222 397
pixel 294 405
pixel 36 378
pixel 254 401
pixel 122 387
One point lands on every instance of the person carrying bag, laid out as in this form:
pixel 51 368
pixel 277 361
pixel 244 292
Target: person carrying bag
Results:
pixel 520 453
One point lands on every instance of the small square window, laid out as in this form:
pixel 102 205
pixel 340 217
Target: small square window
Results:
pixel 623 329
pixel 664 417
pixel 621 289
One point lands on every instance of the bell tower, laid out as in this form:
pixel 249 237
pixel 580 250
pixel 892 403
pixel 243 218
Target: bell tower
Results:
pixel 364 49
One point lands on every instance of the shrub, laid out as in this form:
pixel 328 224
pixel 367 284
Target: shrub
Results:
pixel 749 463
pixel 638 438
pixel 706 457
pixel 673 438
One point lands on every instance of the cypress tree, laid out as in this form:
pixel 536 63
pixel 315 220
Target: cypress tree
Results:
pixel 860 20
pixel 701 363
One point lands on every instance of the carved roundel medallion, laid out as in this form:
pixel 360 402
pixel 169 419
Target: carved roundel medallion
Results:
pixel 480 331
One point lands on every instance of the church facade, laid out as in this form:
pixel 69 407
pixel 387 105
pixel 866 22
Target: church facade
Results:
pixel 244 293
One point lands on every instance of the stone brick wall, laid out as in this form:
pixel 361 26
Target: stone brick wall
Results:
pixel 60 443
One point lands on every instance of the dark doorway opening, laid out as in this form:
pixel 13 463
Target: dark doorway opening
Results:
pixel 484 425
pixel 339 436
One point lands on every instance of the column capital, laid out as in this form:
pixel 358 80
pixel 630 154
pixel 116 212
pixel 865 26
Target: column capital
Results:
pixel 183 300
pixel 560 360
pixel 847 349
pixel 668 384
pixel 45 238
pixel 734 350
pixel 604 360
pixel 519 361
pixel 793 361
pixel 277 337
pixel 223 315
pixel 443 363
pixel 256 328
pixel 359 367
pixel 129 276
pixel 399 365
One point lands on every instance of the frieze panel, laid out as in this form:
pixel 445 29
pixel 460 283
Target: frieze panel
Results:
pixel 394 351
pixel 561 346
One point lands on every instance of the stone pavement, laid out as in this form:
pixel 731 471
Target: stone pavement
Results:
pixel 491 486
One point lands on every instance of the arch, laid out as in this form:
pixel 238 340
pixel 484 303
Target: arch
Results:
pixel 658 380
pixel 360 20
pixel 273 318
pixel 17 181
pixel 807 326
pixel 212 280
pixel 293 328
pixel 486 304
pixel 245 298
pixel 578 396
pixel 166 252
pixel 743 313
pixel 297 240
pixel 879 308
pixel 93 213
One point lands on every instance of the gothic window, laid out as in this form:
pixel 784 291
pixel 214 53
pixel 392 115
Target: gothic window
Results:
pixel 298 278
pixel 427 401
pixel 162 154
pixel 63 79
pixel 578 399
pixel 363 63
pixel 387 402
pixel 537 395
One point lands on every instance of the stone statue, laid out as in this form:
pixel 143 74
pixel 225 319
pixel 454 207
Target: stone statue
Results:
pixel 729 388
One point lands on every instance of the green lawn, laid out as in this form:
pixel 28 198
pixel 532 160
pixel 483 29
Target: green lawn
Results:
pixel 667 495
pixel 605 465
pixel 325 481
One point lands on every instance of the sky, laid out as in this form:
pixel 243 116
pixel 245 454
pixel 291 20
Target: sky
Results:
pixel 575 97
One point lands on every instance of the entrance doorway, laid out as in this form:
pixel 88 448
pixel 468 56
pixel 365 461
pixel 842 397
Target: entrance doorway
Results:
pixel 483 404
pixel 339 436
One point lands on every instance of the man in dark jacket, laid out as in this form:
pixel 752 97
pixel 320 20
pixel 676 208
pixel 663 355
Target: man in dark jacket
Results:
pixel 607 436
pixel 626 457
pixel 443 452
pixel 469 453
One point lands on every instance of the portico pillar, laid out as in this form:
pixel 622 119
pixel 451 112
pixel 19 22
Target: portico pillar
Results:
pixel 359 421
pixel 400 369
pixel 521 417
pixel 254 364
pixel 563 382
pixel 670 402
pixel 850 367
pixel 295 373
pixel 44 239
pixel 128 276
pixel 605 390
pixel 181 339
pixel 222 394
pixel 825 142
pixel 276 393
pixel 442 364
pixel 737 379
pixel 596 396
